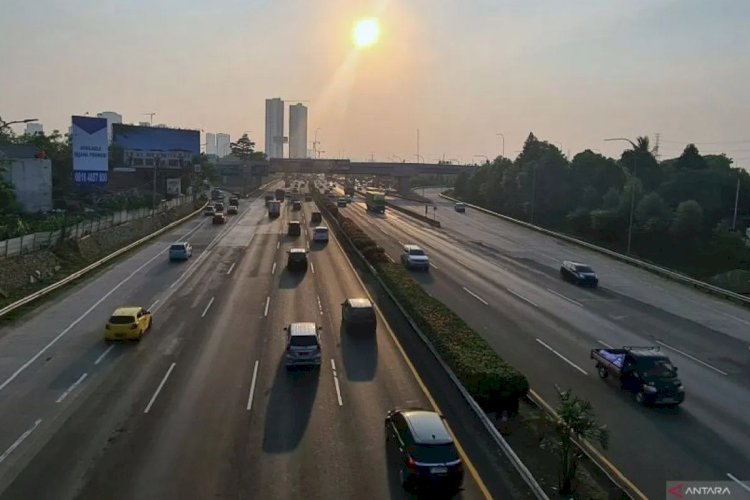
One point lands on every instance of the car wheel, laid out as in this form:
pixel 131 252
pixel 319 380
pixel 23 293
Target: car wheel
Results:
pixel 640 398
pixel 406 480
pixel 603 372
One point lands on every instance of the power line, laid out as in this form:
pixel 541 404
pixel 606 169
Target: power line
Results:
pixel 715 142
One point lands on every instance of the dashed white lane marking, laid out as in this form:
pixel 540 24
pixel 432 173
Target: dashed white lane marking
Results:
pixel 273 269
pixel 604 344
pixel 691 357
pixel 103 355
pixel 268 301
pixel 320 305
pixel 733 478
pixel 20 440
pixel 312 267
pixel 252 387
pixel 231 268
pixel 390 258
pixel 522 297
pixel 564 297
pixel 154 305
pixel 203 315
pixel 72 388
pixel 336 382
pixel 158 389
pixel 563 357
pixel 480 299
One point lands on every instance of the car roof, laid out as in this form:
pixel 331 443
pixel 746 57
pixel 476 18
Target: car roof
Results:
pixel 126 311
pixel 427 427
pixel 180 243
pixel 644 352
pixel 293 222
pixel 321 228
pixel 302 329
pixel 360 302
pixel 412 247
pixel 297 250
pixel 574 263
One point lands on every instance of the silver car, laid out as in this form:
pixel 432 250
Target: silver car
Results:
pixel 302 345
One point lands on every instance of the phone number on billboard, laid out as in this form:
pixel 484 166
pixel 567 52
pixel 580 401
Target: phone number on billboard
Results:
pixel 91 177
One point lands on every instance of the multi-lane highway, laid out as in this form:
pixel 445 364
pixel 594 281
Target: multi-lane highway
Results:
pixel 203 407
pixel 503 280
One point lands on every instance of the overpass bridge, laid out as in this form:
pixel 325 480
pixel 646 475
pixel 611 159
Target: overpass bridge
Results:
pixel 237 172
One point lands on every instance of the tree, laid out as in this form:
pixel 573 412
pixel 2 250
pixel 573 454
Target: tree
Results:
pixel 688 220
pixel 690 159
pixel 652 213
pixel 7 192
pixel 640 161
pixel 244 148
pixel 573 422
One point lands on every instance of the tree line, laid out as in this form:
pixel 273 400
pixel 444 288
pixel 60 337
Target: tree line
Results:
pixel 682 209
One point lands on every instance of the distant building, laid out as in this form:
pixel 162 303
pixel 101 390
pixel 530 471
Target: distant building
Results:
pixel 275 128
pixel 111 117
pixel 223 145
pixel 210 144
pixel 297 131
pixel 144 124
pixel 34 129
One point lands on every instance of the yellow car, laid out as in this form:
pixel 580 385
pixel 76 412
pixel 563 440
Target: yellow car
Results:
pixel 128 323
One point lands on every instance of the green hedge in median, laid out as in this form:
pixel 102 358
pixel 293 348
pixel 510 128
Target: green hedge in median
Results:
pixel 493 383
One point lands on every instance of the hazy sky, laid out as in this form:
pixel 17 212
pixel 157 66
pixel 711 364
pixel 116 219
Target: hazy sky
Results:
pixel 573 72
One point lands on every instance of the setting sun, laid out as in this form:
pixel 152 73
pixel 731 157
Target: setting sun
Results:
pixel 366 32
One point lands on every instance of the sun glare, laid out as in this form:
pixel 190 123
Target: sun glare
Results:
pixel 366 32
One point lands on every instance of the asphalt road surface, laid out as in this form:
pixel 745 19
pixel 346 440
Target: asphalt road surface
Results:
pixel 203 407
pixel 503 279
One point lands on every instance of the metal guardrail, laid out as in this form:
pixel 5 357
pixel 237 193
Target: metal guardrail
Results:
pixel 511 455
pixel 54 286
pixel 667 273
pixel 410 213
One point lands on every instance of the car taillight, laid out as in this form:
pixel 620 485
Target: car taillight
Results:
pixel 411 463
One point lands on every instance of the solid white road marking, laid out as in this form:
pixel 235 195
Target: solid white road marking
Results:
pixel 480 299
pixel 522 297
pixel 268 301
pixel 733 478
pixel 72 387
pixel 252 387
pixel 153 305
pixel 604 344
pixel 101 357
pixel 434 266
pixel 20 440
pixel 692 357
pixel 273 269
pixel 735 318
pixel 565 298
pixel 203 315
pixel 400 243
pixel 76 321
pixel 278 244
pixel 158 389
pixel 336 382
pixel 312 267
pixel 563 357
pixel 230 268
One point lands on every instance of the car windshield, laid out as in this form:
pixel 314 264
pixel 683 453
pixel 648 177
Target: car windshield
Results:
pixel 362 313
pixel 416 251
pixel 303 341
pixel 321 230
pixel 122 320
pixel 584 269
pixel 657 368
pixel 434 453
pixel 297 257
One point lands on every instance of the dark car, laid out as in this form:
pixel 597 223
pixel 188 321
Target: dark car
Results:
pixel 219 207
pixel 428 458
pixel 358 315
pixel 578 273
pixel 341 202
pixel 296 205
pixel 460 207
pixel 234 201
pixel 295 229
pixel 308 197
pixel 297 259
pixel 316 218
pixel 220 218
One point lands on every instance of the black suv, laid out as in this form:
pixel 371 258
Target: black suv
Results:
pixel 297 260
pixel 428 456
pixel 358 315
pixel 295 229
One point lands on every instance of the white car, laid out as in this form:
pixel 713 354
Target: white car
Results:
pixel 413 257
pixel 210 211
pixel 320 233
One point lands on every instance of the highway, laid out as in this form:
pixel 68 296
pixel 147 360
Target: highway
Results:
pixel 503 280
pixel 203 406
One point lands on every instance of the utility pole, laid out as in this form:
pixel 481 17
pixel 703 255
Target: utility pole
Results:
pixel 633 178
pixel 151 116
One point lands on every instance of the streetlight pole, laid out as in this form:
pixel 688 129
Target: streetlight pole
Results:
pixel 8 124
pixel 736 202
pixel 632 190
pixel 503 138
pixel 483 156
pixel 418 145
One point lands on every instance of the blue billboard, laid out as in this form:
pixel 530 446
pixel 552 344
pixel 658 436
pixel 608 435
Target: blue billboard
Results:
pixel 149 147
pixel 90 152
